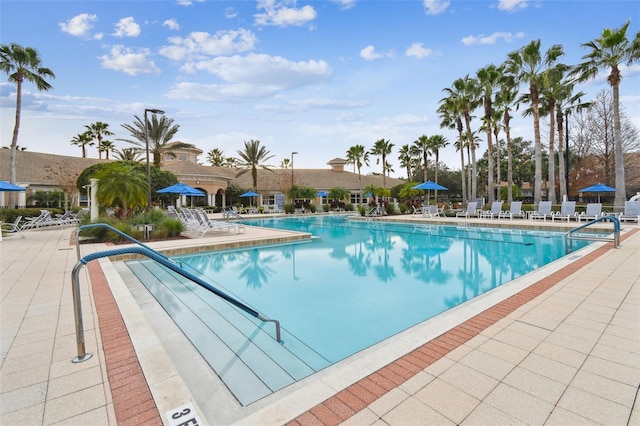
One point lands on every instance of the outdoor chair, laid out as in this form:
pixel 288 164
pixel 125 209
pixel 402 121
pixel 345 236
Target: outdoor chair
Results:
pixel 12 228
pixel 631 212
pixel 34 222
pixel 543 212
pixel 472 206
pixel 593 212
pixel 514 210
pixel 496 208
pixel 430 211
pixel 214 225
pixel 567 211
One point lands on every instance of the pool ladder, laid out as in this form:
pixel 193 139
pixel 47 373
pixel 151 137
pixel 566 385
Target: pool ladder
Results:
pixel 571 235
pixel 153 255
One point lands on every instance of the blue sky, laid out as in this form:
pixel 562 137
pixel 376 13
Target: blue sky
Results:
pixel 314 77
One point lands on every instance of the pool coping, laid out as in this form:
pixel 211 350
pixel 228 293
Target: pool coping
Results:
pixel 344 380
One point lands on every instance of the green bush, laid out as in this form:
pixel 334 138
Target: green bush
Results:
pixel 326 208
pixel 403 208
pixel 349 207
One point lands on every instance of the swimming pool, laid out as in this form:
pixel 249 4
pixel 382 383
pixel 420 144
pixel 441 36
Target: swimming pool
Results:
pixel 361 282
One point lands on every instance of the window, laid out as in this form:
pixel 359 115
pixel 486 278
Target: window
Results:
pixel 170 157
pixel 182 157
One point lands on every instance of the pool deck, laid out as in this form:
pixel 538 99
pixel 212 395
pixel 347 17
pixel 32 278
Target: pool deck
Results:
pixel 558 346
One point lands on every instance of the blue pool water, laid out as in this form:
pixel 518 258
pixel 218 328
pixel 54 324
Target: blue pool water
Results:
pixel 361 282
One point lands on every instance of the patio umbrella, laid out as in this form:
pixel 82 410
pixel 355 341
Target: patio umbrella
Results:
pixel 9 187
pixel 429 185
pixel 598 188
pixel 249 194
pixel 322 194
pixel 181 189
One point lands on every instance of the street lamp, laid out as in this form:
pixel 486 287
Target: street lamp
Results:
pixel 292 154
pixel 146 141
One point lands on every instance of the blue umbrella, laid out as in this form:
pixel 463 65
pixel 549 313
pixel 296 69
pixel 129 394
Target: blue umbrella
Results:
pixel 322 194
pixel 249 194
pixel 181 189
pixel 598 188
pixel 428 185
pixel 9 187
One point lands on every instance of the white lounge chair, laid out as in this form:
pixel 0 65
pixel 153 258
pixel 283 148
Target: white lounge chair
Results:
pixel 472 206
pixel 593 212
pixel 631 212
pixel 543 212
pixel 12 228
pixel 496 208
pixel 514 210
pixel 567 211
pixel 430 211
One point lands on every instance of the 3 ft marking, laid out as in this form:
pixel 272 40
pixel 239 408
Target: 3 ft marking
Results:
pixel 185 415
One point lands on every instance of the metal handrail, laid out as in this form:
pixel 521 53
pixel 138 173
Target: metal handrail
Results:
pixel 568 236
pixel 117 231
pixel 163 260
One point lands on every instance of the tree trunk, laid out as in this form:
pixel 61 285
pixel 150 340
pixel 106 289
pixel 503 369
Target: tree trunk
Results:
pixel 537 176
pixel 621 193
pixel 552 154
pixel 14 144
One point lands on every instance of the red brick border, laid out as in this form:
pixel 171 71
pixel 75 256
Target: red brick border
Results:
pixel 359 395
pixel 132 399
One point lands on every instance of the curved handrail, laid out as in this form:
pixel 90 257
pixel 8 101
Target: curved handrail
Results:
pixel 163 260
pixel 117 231
pixel 609 218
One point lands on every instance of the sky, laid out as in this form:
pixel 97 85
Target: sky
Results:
pixel 312 77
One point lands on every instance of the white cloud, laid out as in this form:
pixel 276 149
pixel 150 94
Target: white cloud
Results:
pixel 418 50
pixel 188 2
pixel 251 77
pixel 172 24
pixel 127 27
pixel 512 5
pixel 491 39
pixel 435 7
pixel 345 4
pixel 80 26
pixel 126 60
pixel 369 53
pixel 200 44
pixel 230 13
pixel 278 14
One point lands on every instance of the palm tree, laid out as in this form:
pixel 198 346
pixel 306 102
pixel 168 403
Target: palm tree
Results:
pixel 20 64
pixel 215 157
pixel 526 64
pixel 122 185
pixel 420 148
pixel 82 140
pixel 450 118
pixel 608 52
pixel 285 163
pixel 128 154
pixel 406 159
pixel 465 93
pixel 160 132
pixel 382 148
pixel 436 143
pixel 251 158
pixel 489 78
pixel 107 147
pixel 505 99
pixel 358 156
pixel 97 131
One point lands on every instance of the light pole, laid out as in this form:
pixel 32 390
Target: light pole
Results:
pixel 292 154
pixel 146 141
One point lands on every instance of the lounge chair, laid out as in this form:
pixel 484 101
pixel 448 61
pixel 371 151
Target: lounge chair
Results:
pixel 34 222
pixel 514 210
pixel 631 212
pixel 593 212
pixel 12 228
pixel 430 211
pixel 496 208
pixel 567 211
pixel 472 206
pixel 543 212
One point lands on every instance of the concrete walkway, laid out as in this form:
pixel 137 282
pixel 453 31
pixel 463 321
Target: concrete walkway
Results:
pixel 570 354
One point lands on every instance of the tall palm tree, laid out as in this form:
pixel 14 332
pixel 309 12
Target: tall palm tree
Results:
pixel 420 148
pixel 608 52
pixel 98 131
pixel 160 132
pixel 466 93
pixel 505 99
pixel 358 156
pixel 251 158
pixel 489 78
pixel 450 118
pixel 436 143
pixel 20 64
pixel 82 140
pixel 406 159
pixel 527 65
pixel 215 157
pixel 128 154
pixel 382 148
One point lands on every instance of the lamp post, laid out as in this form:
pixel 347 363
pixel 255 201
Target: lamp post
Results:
pixel 292 154
pixel 146 141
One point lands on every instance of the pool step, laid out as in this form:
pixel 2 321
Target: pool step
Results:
pixel 241 349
